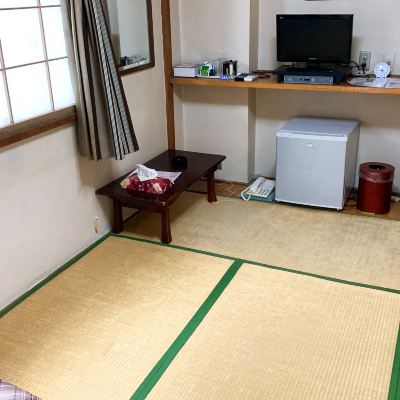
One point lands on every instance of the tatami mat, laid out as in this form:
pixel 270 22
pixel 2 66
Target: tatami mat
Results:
pixel 96 330
pixel 274 335
pixel 328 243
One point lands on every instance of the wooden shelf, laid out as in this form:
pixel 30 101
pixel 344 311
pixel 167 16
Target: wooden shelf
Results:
pixel 272 84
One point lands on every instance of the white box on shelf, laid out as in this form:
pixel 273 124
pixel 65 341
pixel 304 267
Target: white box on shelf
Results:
pixel 187 70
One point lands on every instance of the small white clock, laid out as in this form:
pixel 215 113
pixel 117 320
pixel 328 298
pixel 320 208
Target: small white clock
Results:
pixel 382 70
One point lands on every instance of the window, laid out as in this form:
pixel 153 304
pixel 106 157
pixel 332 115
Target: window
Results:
pixel 34 72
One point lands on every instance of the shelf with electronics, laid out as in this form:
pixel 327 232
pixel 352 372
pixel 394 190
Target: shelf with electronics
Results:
pixel 314 65
pixel 272 84
pixel 376 83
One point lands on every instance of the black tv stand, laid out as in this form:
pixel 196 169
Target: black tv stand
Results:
pixel 312 75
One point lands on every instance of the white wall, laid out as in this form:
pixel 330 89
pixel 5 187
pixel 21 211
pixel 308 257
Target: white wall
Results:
pixel 375 29
pixel 129 29
pixel 216 124
pixel 132 21
pixel 112 11
pixel 209 119
pixel 177 59
pixel 47 200
pixel 211 29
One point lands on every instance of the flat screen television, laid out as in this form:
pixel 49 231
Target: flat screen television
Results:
pixel 314 39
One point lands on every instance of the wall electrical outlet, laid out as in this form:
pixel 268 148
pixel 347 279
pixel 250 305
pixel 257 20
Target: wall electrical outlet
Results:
pixel 96 224
pixel 388 58
pixel 365 58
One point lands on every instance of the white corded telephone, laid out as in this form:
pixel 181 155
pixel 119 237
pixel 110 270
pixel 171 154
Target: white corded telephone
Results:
pixel 261 187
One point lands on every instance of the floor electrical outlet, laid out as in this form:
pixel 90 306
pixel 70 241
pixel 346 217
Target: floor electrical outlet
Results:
pixel 96 224
pixel 396 199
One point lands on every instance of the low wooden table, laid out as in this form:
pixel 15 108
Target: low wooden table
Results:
pixel 199 165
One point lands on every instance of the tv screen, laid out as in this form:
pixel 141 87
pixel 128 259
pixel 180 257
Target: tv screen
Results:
pixel 314 38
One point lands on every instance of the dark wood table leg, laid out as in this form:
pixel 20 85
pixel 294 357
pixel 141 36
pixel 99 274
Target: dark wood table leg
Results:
pixel 212 197
pixel 166 236
pixel 118 224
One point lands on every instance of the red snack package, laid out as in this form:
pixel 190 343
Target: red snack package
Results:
pixel 155 186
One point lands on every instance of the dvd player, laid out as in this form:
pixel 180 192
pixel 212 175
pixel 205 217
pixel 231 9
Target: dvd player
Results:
pixel 312 76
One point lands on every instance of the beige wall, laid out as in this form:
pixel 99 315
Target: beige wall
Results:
pixel 47 201
pixel 214 120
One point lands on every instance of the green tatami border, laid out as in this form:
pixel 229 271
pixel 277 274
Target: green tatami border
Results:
pixel 57 272
pixel 394 388
pixel 156 373
pixel 244 261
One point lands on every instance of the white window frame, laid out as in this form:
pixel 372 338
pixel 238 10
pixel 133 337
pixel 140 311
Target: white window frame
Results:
pixel 39 124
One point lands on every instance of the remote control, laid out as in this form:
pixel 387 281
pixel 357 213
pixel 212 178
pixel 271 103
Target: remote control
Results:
pixel 251 78
pixel 241 77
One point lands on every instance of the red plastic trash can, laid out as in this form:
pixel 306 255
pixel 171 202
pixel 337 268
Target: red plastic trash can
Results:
pixel 375 187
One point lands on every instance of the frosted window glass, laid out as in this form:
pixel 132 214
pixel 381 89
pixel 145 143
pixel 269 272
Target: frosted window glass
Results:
pixel 29 91
pixel 49 2
pixel 61 84
pixel 21 37
pixel 4 117
pixel 17 3
pixel 54 32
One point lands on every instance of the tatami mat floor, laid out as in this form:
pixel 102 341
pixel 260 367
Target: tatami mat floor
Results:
pixel 274 335
pixel 96 330
pixel 135 319
pixel 347 247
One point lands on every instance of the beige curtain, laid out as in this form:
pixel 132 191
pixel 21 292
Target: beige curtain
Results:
pixel 104 123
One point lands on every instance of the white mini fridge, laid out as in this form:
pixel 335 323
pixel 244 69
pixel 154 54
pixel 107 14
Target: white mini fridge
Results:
pixel 316 161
